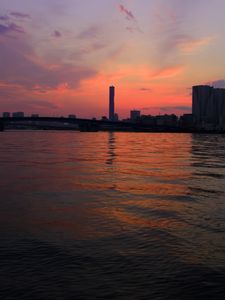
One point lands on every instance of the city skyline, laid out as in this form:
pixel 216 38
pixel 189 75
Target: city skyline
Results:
pixel 208 103
pixel 59 57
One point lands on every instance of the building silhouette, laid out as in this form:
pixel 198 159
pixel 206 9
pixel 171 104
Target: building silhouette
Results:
pixel 72 116
pixel 208 107
pixel 135 115
pixel 18 114
pixel 219 95
pixel 116 117
pixel 111 103
pixel 6 114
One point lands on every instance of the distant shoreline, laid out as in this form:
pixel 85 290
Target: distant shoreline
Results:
pixel 125 131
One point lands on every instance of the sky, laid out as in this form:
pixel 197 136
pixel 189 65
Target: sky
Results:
pixel 59 57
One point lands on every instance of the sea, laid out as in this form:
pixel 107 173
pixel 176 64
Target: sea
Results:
pixel 112 215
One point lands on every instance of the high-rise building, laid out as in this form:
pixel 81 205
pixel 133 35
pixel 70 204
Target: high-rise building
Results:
pixel 208 107
pixel 219 95
pixel 203 107
pixel 111 103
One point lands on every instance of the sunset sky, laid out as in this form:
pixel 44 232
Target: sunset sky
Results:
pixel 59 56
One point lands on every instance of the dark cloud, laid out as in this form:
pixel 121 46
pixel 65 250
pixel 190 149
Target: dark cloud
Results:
pixel 173 108
pixel 57 34
pixel 5 29
pixel 143 89
pixel 133 24
pixel 20 15
pixel 128 14
pixel 169 109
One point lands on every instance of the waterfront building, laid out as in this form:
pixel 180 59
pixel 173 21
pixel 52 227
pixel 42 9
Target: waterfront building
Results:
pixel 187 121
pixel 203 107
pixel 19 114
pixel 148 120
pixel 6 115
pixel 219 95
pixel 208 107
pixel 135 115
pixel 111 103
pixel 116 117
pixel 167 120
pixel 34 116
pixel 72 117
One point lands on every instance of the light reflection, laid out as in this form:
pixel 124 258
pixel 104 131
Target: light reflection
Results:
pixel 112 148
pixel 88 186
pixel 137 221
pixel 104 184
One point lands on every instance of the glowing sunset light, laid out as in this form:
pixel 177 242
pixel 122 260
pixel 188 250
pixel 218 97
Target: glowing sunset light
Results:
pixel 61 58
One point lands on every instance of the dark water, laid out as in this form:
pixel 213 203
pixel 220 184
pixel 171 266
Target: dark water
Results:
pixel 112 216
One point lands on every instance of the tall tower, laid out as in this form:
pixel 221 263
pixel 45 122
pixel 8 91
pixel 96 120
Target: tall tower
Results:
pixel 111 103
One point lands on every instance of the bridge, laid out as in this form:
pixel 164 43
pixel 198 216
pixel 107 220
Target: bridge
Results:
pixel 62 123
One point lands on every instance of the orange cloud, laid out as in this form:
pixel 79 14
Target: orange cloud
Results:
pixel 169 72
pixel 190 46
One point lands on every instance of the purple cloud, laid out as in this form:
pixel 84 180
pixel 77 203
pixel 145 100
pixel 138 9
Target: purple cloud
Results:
pixel 17 101
pixel 57 34
pixel 91 32
pixel 4 29
pixel 20 66
pixel 4 18
pixel 41 103
pixel 217 83
pixel 20 15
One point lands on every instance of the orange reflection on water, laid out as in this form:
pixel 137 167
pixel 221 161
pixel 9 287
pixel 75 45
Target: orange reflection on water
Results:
pixel 128 219
pixel 105 173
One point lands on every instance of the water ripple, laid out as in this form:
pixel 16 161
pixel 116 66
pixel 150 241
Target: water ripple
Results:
pixel 112 216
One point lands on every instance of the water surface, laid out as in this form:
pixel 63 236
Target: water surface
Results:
pixel 112 215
